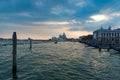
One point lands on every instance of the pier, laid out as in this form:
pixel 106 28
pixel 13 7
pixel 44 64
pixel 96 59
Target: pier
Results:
pixel 101 45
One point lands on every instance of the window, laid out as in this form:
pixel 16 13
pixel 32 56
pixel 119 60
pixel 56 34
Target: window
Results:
pixel 112 34
pixel 109 34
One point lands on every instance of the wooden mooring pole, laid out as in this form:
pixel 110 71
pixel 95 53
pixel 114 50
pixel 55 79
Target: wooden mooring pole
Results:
pixel 99 46
pixel 14 63
pixel 30 43
pixel 109 46
pixel 99 49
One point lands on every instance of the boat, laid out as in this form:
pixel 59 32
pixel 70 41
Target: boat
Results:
pixel 55 42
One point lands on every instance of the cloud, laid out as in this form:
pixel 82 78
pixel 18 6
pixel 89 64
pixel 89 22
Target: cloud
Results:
pixel 58 10
pixel 77 34
pixel 89 21
pixel 25 14
pixel 115 14
pixel 57 22
pixel 99 17
pixel 75 22
pixel 51 23
pixel 79 3
pixel 39 3
pixel 4 17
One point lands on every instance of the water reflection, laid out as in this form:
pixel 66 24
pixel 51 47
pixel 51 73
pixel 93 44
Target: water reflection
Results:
pixel 62 61
pixel 115 53
pixel 14 75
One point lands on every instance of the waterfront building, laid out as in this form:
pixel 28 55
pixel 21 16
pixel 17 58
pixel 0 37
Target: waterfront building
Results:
pixel 62 37
pixel 107 35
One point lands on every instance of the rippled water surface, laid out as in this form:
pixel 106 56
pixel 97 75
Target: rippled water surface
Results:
pixel 61 61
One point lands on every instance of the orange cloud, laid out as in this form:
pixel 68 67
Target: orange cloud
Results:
pixel 52 23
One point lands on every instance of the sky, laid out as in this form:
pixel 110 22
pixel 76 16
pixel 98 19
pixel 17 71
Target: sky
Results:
pixel 43 19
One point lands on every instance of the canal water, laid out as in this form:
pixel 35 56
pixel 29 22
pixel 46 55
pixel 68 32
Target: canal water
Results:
pixel 61 61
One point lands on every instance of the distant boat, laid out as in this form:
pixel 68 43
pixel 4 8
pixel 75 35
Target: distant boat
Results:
pixel 55 42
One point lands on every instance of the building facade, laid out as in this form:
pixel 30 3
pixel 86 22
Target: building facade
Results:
pixel 107 35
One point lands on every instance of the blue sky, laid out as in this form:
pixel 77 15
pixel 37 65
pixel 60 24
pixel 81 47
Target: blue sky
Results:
pixel 42 19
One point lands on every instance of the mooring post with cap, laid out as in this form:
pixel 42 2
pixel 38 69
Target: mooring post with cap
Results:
pixel 14 52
